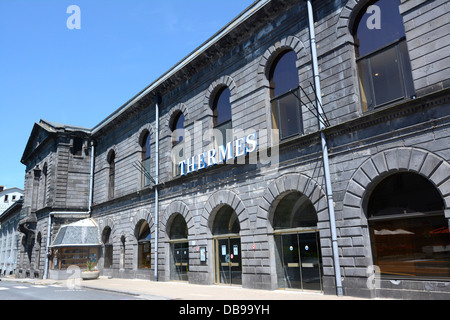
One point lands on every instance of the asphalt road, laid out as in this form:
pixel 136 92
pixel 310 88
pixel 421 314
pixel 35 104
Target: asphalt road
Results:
pixel 24 291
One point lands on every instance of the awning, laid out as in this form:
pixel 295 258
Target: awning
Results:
pixel 84 233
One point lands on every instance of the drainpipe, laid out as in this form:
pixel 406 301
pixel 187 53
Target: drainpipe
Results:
pixel 49 229
pixel 91 178
pixel 329 190
pixel 156 182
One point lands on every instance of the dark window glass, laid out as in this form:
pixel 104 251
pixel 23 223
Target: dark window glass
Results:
pixel 146 159
pixel 179 228
pixel 146 150
pixel 284 76
pixel 178 129
pixel 226 221
pixel 177 148
pixel 112 174
pixel 409 232
pixel 295 210
pixel 77 146
pixel 222 118
pixel 371 36
pixel 286 108
pixel 108 254
pixel 383 63
pixel 222 107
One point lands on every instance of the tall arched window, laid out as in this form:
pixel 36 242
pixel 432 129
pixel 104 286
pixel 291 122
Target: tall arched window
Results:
pixel 408 229
pixel 222 116
pixel 177 143
pixel 284 85
pixel 112 173
pixel 45 176
pixel 146 158
pixel 383 61
pixel 108 253
pixel 178 129
pixel 143 238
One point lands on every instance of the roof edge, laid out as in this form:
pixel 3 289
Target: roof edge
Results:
pixel 242 17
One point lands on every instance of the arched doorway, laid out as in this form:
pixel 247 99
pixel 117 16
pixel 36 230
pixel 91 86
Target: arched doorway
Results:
pixel 144 249
pixel 227 247
pixel 297 243
pixel 179 249
pixel 409 232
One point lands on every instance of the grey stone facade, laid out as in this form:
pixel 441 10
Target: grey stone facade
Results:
pixel 410 135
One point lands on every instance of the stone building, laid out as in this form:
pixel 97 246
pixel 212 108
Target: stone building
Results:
pixel 304 146
pixel 9 236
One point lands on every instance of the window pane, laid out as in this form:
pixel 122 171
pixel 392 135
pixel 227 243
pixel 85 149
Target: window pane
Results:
pixel 285 75
pixel 145 176
pixel 223 134
pixel 373 34
pixel 144 255
pixel 178 130
pixel 222 108
pixel 226 221
pixel 179 228
pixel 417 247
pixel 287 114
pixel 365 85
pixel 294 210
pixel 386 77
pixel 409 232
pixel 404 193
pixel 146 147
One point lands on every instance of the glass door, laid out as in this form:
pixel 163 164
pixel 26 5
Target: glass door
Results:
pixel 180 261
pixel 298 261
pixel 310 268
pixel 228 261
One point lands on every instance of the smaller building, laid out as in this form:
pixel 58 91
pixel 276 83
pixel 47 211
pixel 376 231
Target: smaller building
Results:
pixel 8 197
pixel 9 238
pixel 75 246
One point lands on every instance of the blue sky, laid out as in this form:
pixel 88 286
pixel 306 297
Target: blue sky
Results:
pixel 79 77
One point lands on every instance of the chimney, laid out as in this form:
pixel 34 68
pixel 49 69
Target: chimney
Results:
pixel 2 188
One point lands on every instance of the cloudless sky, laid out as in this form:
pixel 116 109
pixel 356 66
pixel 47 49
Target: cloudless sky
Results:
pixel 80 77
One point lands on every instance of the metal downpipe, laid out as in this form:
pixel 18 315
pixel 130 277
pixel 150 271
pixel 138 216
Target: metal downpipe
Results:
pixel 156 183
pixel 329 190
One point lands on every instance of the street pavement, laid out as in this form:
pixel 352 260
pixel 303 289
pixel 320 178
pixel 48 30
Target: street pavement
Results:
pixel 153 290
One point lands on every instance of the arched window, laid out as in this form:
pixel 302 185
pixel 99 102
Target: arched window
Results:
pixel 146 158
pixel 112 173
pixel 144 237
pixel 45 173
pixel 409 232
pixel 226 222
pixel 222 116
pixel 284 85
pixel 177 143
pixel 108 253
pixel 178 129
pixel 383 61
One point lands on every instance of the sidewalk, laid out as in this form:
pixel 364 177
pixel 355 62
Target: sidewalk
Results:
pixel 184 291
